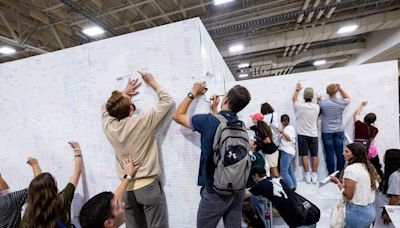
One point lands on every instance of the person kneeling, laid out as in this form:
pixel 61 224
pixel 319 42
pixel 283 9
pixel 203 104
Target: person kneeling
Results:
pixel 295 210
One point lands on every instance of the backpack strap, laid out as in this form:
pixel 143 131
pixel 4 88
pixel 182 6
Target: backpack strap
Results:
pixel 221 118
pixel 272 118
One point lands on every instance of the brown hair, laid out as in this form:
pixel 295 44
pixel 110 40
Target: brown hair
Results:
pixel 360 156
pixel 238 97
pixel 43 203
pixel 118 105
pixel 264 128
pixel 266 109
pixel 331 89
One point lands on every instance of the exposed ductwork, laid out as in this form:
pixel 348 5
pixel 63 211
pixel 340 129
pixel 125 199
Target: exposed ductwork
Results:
pixel 365 24
pixel 263 64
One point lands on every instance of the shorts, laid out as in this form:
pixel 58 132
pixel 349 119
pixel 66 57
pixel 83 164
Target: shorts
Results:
pixel 307 143
pixel 272 159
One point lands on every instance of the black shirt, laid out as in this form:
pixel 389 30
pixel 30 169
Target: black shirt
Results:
pixel 277 191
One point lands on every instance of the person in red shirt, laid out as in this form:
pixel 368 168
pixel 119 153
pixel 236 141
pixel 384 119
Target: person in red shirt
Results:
pixel 366 131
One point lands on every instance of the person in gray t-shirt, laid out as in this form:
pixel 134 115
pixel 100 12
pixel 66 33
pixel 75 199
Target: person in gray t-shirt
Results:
pixel 332 126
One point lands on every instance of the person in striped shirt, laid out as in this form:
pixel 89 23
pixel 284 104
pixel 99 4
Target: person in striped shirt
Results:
pixel 11 203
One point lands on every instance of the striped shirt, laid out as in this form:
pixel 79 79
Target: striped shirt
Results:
pixel 10 208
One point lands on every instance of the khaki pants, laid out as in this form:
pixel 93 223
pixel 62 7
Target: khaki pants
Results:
pixel 146 207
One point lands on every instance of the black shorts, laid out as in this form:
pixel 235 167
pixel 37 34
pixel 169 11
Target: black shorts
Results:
pixel 307 143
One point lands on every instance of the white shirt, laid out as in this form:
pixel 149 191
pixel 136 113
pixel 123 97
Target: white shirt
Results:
pixel 363 194
pixel 288 146
pixel 307 116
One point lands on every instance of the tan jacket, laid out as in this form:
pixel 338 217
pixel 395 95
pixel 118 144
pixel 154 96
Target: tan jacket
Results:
pixel 135 136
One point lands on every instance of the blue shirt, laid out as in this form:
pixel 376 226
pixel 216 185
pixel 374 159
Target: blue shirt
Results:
pixel 206 125
pixel 332 114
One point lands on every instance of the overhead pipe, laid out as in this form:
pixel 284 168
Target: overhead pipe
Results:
pixel 305 6
pixel 331 10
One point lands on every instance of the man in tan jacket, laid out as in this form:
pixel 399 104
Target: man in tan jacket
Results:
pixel 134 135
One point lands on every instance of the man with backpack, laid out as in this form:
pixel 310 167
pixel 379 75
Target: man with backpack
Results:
pixel 292 207
pixel 224 163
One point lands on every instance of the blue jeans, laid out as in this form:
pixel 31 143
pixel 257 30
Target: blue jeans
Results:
pixel 258 203
pixel 359 216
pixel 287 169
pixel 333 144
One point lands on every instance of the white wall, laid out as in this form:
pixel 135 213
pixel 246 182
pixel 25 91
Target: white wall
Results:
pixel 376 83
pixel 49 99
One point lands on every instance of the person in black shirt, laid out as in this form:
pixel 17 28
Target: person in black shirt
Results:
pixel 276 190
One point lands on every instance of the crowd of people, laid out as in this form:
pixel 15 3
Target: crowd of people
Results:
pixel 227 155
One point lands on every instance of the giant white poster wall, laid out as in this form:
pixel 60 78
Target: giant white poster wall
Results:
pixel 376 83
pixel 50 99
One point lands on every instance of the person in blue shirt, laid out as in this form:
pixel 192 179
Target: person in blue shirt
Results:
pixel 212 206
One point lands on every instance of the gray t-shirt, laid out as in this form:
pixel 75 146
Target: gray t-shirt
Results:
pixel 332 114
pixel 307 116
pixel 394 184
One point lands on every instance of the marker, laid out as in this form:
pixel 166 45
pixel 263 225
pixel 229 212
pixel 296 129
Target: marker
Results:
pixel 122 77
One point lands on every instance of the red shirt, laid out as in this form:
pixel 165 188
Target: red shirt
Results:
pixel 361 130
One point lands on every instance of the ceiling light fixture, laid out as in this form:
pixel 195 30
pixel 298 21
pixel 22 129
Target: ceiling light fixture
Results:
pixel 243 65
pixel 7 50
pixel 347 29
pixel 219 2
pixel 93 31
pixel 236 48
pixel 243 75
pixel 319 62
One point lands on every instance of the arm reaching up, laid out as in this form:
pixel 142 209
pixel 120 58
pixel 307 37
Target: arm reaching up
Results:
pixel 214 106
pixel 180 115
pixel 78 163
pixel 130 170
pixel 344 94
pixel 359 110
pixel 296 92
pixel 33 162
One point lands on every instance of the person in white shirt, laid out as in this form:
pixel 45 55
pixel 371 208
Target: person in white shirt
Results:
pixel 360 181
pixel 307 131
pixel 287 149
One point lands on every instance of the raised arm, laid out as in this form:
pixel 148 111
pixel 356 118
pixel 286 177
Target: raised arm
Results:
pixel 180 115
pixel 214 106
pixel 296 92
pixel 33 162
pixel 344 94
pixel 130 170
pixel 157 114
pixel 359 110
pixel 78 163
pixel 3 184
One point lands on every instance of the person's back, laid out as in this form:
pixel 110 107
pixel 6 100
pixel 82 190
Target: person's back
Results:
pixel 332 114
pixel 214 206
pixel 10 208
pixel 134 135
pixel 276 190
pixel 307 116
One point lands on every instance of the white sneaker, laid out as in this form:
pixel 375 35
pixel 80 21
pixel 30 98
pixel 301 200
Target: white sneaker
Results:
pixel 314 178
pixel 307 178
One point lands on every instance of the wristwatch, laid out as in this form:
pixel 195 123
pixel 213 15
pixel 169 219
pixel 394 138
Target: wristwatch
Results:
pixel 190 95
pixel 128 177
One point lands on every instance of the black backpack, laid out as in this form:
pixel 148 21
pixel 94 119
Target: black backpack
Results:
pixel 309 213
